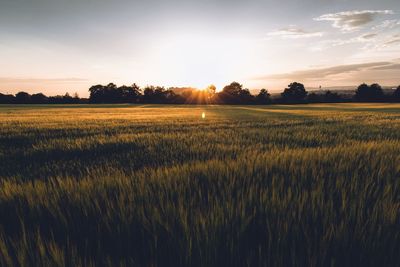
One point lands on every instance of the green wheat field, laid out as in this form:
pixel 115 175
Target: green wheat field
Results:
pixel 160 185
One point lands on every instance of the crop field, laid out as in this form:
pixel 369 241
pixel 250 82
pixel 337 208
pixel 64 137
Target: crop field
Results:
pixel 165 185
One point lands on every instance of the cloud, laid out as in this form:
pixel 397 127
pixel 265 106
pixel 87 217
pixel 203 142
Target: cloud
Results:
pixel 368 40
pixel 365 38
pixel 368 36
pixel 394 66
pixel 40 80
pixel 387 42
pixel 394 41
pixel 352 20
pixel 322 73
pixel 388 24
pixel 294 32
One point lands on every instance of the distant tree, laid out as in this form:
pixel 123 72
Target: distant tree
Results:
pixel 23 98
pixel 233 89
pixel 208 95
pixel 58 99
pixel 7 99
pixel 211 89
pixel 331 97
pixel 148 94
pixel 314 98
pixel 172 98
pixel 377 91
pixel 158 95
pixel 97 93
pixel 367 93
pixel 128 94
pixel 263 97
pixel 294 93
pixel 235 94
pixel 245 97
pixel 67 99
pixel 396 94
pixel 112 94
pixel 39 98
pixel 362 92
pixel 76 98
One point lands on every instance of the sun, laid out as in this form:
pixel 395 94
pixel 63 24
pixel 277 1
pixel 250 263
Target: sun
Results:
pixel 200 61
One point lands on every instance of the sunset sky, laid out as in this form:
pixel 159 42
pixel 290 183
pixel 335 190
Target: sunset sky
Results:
pixel 55 46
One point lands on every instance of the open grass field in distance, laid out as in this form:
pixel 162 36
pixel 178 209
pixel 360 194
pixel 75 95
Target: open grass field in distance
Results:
pixel 160 185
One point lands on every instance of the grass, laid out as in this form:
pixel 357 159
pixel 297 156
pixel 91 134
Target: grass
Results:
pixel 127 185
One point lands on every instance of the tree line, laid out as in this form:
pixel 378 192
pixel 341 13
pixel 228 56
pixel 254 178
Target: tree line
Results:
pixel 40 98
pixel 233 93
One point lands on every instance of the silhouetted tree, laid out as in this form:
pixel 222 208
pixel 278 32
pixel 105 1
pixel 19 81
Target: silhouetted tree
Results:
pixel 263 97
pixel 148 94
pixel 68 99
pixel 314 98
pixel 295 93
pixel 6 99
pixel 22 98
pixel 112 94
pixel 129 94
pixel 39 98
pixel 97 93
pixel 76 98
pixel 331 97
pixel 235 94
pixel 159 95
pixel 396 94
pixel 367 93
pixel 245 97
pixel 233 89
pixel 173 98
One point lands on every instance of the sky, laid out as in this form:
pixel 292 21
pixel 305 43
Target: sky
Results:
pixel 58 46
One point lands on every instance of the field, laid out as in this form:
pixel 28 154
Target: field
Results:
pixel 130 185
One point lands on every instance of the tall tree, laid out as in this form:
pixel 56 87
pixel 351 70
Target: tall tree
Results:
pixel 396 94
pixel 235 94
pixel 294 93
pixel 263 97
pixel 367 93
pixel 23 98
pixel 331 97
pixel 39 98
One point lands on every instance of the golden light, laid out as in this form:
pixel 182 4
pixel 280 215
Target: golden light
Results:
pixel 203 115
pixel 198 61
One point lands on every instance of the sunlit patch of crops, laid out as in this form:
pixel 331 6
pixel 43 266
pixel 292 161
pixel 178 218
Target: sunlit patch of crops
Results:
pixel 300 185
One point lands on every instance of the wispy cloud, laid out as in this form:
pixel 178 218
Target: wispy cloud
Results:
pixel 294 32
pixel 322 73
pixel 395 39
pixel 388 24
pixel 368 36
pixel 352 20
pixel 366 39
pixel 394 66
